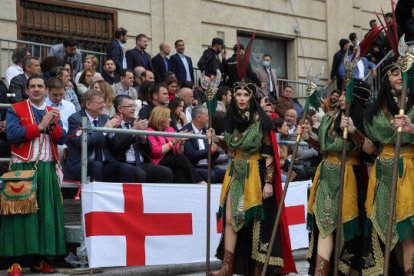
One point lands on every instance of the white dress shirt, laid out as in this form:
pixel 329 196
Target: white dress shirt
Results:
pixel 13 71
pixel 186 66
pixel 201 145
pixel 66 109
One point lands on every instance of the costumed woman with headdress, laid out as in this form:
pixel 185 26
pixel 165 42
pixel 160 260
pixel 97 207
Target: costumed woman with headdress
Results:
pixel 323 200
pixel 248 203
pixel 381 128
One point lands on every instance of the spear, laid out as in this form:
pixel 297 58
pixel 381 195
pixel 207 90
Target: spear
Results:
pixel 406 62
pixel 311 99
pixel 210 86
pixel 349 82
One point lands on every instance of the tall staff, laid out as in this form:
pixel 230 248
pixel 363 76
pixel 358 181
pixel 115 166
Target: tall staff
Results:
pixel 311 99
pixel 405 63
pixel 349 84
pixel 210 86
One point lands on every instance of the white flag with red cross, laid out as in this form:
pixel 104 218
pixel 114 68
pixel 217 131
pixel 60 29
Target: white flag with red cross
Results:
pixel 150 224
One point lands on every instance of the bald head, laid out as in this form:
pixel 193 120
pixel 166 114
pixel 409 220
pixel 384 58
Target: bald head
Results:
pixel 165 49
pixel 137 74
pixel 186 94
pixel 291 117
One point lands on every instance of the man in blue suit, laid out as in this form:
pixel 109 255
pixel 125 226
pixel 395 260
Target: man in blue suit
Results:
pixel 182 65
pixel 161 63
pixel 196 150
pixel 102 166
pixel 115 50
pixel 137 56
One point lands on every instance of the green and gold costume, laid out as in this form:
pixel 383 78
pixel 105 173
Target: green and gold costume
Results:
pixel 323 200
pixel 382 131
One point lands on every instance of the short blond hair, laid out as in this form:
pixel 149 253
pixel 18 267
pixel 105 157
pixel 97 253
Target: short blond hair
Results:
pixel 94 60
pixel 158 115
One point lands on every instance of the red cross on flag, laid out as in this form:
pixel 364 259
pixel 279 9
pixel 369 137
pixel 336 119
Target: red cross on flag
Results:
pixel 150 224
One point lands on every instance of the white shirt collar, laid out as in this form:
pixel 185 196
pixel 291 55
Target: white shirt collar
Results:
pixel 42 107
pixel 196 131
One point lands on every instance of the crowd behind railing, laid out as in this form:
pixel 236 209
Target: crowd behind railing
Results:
pixel 137 91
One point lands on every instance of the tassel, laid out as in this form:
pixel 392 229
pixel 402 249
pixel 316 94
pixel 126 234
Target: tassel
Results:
pixel 19 206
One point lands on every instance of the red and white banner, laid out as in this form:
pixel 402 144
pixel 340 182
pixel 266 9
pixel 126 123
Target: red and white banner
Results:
pixel 150 224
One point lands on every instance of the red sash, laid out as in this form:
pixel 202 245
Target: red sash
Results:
pixel 24 150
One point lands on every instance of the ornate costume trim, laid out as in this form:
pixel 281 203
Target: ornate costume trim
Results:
pixel 373 264
pixel 322 199
pixel 260 249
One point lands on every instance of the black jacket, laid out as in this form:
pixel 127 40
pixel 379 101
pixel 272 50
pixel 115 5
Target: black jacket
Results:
pixel 230 72
pixel 120 143
pixel 209 62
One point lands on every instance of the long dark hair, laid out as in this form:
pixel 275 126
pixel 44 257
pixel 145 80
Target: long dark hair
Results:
pixel 385 97
pixel 172 105
pixel 234 120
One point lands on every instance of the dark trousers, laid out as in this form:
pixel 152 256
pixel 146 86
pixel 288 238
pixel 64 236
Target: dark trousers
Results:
pixel 107 171
pixel 158 173
pixel 217 174
pixel 182 168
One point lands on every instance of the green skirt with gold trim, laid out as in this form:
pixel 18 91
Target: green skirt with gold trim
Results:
pixel 323 210
pixel 41 233
pixel 253 236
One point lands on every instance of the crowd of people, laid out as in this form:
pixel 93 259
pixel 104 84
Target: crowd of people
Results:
pixel 136 91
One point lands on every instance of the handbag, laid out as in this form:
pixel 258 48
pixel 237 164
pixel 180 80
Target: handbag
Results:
pixel 18 192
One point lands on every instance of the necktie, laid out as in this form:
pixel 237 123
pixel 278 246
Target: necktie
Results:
pixel 127 125
pixel 98 150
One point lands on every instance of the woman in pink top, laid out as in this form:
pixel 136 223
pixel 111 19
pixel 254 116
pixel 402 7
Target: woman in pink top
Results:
pixel 168 151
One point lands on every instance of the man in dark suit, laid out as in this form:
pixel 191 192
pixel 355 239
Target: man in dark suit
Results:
pixel 182 65
pixel 196 150
pixel 133 149
pixel 115 50
pixel 161 63
pixel 102 166
pixel 137 56
pixel 17 88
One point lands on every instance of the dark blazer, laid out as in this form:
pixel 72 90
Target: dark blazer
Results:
pixel 17 89
pixel 136 58
pixel 120 143
pixel 159 68
pixel 177 67
pixel 116 53
pixel 96 141
pixel 192 150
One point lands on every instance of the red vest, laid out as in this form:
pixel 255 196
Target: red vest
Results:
pixel 24 150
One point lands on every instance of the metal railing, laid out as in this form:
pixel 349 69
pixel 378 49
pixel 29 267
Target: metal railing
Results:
pixel 38 50
pixel 377 81
pixel 299 88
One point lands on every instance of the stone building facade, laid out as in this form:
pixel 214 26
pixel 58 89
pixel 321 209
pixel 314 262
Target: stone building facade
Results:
pixel 307 30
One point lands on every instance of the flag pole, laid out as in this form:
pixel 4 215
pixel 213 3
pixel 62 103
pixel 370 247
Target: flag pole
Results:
pixel 394 180
pixel 210 86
